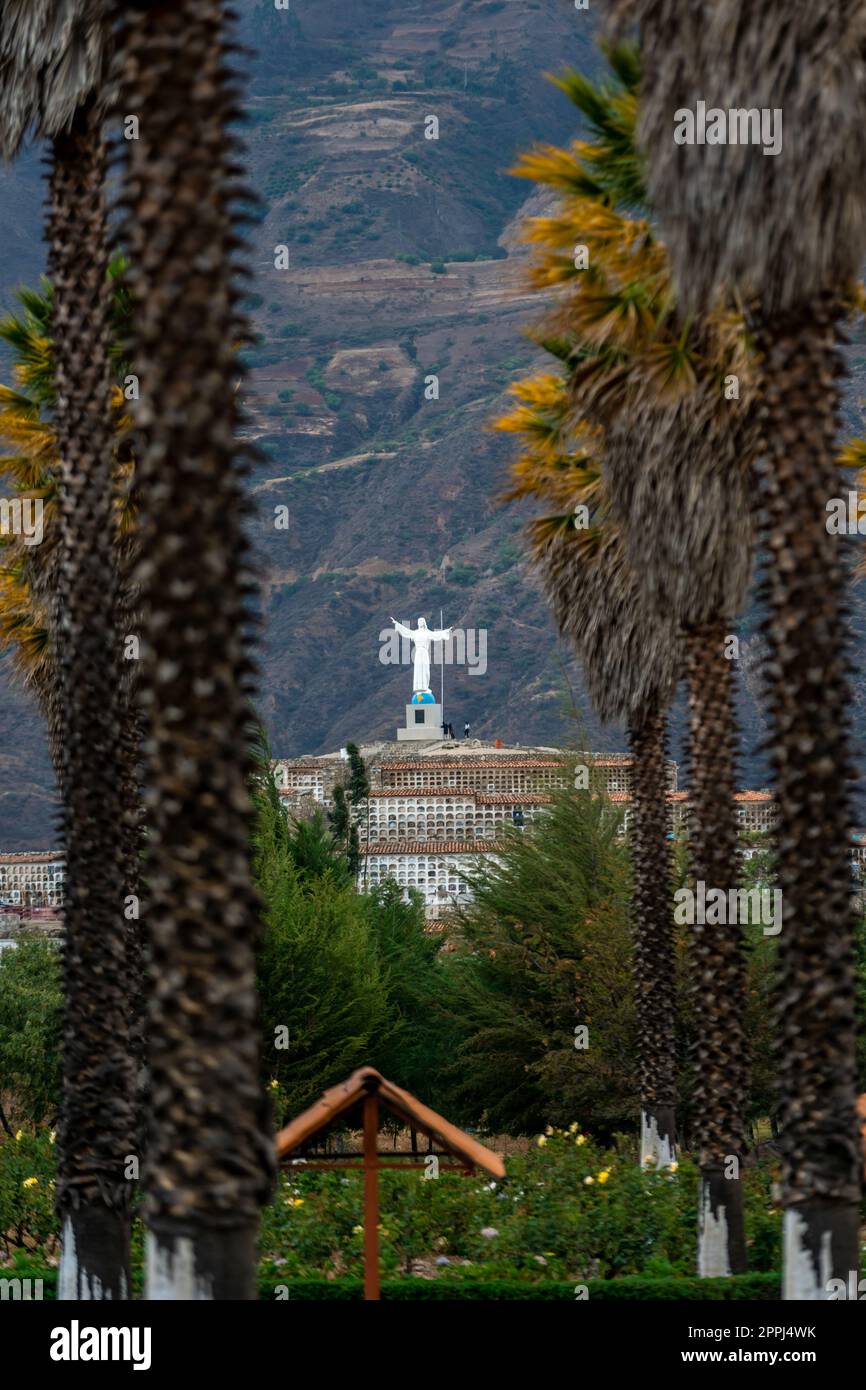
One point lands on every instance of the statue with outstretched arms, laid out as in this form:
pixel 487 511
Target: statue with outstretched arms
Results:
pixel 423 638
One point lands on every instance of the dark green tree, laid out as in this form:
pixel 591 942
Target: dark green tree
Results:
pixel 545 953
pixel 313 850
pixel 324 1002
pixel 31 1015
pixel 358 785
pixel 422 1032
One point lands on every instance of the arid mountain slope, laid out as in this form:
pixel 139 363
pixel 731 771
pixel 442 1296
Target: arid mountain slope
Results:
pixel 399 262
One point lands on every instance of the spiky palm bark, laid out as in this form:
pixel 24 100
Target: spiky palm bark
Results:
pixel 718 965
pixel 688 464
pixel 209 1154
pixel 731 219
pixel 631 661
pixel 133 828
pixel 654 963
pixel 95 1134
pixel 809 701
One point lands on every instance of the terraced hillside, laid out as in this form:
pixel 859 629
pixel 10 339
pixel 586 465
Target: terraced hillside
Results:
pixel 403 265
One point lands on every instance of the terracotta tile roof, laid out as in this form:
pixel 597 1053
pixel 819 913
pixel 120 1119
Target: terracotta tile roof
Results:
pixel 763 798
pixel 464 793
pixel 512 798
pixel 37 856
pixel 431 847
pixel 402 793
pixel 486 765
pixel 627 796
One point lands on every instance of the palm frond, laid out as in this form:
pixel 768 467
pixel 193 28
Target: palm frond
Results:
pixel 53 59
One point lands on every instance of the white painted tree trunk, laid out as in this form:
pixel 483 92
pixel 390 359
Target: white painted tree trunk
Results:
pixel 76 1284
pixel 653 1146
pixel 713 1258
pixel 193 1263
pixel 802 1279
pixel 171 1271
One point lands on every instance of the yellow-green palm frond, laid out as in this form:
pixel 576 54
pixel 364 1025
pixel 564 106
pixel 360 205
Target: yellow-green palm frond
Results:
pixel 613 165
pixel 23 623
pixel 557 464
pixel 671 368
pixel 582 222
pixel 30 467
pixel 581 543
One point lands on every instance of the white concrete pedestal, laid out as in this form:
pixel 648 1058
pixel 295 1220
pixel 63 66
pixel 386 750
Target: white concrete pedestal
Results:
pixel 423 722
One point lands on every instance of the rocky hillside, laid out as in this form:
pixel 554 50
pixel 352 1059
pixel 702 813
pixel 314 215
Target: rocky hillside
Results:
pixel 400 264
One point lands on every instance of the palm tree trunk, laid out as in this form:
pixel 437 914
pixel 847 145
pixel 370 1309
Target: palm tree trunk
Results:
pixel 809 701
pixel 132 728
pixel 654 963
pixel 210 1154
pixel 95 1135
pixel 718 961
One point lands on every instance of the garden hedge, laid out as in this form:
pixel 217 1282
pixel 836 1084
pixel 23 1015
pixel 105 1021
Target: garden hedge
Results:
pixel 760 1288
pixel 763 1288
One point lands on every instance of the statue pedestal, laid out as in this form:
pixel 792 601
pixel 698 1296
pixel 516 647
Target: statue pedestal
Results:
pixel 423 722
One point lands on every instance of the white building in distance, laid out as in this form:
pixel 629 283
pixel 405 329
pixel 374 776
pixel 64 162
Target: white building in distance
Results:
pixel 32 878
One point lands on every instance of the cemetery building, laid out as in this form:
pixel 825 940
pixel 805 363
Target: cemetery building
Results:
pixel 32 879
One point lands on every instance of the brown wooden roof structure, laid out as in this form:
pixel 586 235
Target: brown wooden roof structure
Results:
pixel 367 1081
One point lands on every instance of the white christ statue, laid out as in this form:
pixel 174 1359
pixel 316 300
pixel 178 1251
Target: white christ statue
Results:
pixel 423 638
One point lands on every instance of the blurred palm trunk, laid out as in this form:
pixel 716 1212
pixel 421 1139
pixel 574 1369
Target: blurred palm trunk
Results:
pixel 809 698
pixel 96 1131
pixel 654 964
pixel 209 1158
pixel 717 959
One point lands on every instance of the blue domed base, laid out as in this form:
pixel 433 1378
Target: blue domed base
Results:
pixel 423 697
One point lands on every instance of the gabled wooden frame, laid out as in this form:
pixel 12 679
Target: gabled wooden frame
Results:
pixel 369 1088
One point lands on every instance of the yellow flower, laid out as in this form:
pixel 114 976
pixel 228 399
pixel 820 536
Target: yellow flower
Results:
pixel 581 1139
pixel 603 1177
pixel 541 1141
pixel 275 1084
pixel 298 1202
pixel 52 1136
pixel 357 1230
pixel 587 1181
pixel 30 1182
pixel 19 1136
pixel 672 1167
pixel 573 1128
pixel 548 1129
